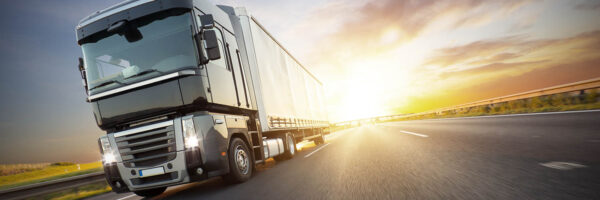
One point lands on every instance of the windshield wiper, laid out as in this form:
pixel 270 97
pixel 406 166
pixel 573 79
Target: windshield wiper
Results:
pixel 144 72
pixel 106 83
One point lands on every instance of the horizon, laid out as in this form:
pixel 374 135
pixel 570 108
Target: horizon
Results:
pixel 374 58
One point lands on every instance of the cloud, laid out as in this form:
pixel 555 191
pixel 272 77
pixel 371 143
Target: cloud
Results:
pixel 379 26
pixel 515 49
pixel 502 66
pixel 588 5
pixel 471 52
pixel 495 68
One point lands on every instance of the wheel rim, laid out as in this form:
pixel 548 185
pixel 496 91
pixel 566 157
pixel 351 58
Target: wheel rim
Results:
pixel 291 145
pixel 242 159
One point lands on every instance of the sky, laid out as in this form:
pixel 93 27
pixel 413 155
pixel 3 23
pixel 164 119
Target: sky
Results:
pixel 375 57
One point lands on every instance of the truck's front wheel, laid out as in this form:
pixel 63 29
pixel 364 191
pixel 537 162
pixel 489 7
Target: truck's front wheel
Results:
pixel 240 162
pixel 150 192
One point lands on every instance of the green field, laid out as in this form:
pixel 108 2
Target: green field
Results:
pixel 77 193
pixel 15 175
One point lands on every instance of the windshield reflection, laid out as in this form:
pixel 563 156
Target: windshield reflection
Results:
pixel 167 45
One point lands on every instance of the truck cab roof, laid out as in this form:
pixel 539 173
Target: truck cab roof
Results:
pixel 133 9
pixel 109 11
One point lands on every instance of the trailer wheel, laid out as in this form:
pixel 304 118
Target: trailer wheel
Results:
pixel 150 192
pixel 240 162
pixel 290 148
pixel 319 140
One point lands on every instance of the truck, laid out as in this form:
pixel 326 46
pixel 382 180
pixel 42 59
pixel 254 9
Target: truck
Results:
pixel 187 90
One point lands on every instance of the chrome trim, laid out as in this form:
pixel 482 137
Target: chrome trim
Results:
pixel 142 129
pixel 140 84
pixel 111 10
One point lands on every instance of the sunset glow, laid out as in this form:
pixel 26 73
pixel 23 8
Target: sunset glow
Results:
pixel 389 57
pixel 374 57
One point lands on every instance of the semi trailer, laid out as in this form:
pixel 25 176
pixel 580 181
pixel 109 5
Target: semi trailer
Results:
pixel 187 90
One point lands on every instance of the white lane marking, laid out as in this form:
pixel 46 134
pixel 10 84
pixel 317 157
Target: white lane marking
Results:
pixel 413 133
pixel 127 197
pixel 562 165
pixel 315 151
pixel 509 115
pixel 407 132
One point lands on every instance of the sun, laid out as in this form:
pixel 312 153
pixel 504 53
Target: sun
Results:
pixel 376 85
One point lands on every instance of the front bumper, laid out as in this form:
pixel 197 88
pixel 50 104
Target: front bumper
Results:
pixel 183 170
pixel 181 165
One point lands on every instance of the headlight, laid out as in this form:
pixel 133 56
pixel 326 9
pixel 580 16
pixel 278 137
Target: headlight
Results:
pixel 108 155
pixel 189 133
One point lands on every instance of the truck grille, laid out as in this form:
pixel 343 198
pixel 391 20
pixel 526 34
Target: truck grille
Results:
pixel 148 147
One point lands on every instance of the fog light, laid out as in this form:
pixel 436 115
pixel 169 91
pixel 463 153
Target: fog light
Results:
pixel 199 171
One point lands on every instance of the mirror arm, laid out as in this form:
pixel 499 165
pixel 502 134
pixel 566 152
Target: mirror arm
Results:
pixel 81 67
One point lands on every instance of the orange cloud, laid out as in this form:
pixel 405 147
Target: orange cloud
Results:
pixel 388 56
pixel 380 26
pixel 491 68
pixel 503 51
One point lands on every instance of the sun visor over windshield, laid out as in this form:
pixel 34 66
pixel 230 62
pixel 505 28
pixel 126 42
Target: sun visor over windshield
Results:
pixel 118 14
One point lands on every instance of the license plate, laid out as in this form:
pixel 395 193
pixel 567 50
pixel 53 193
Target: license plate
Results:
pixel 152 172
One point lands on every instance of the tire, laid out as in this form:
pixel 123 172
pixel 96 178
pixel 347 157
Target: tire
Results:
pixel 150 192
pixel 319 140
pixel 241 163
pixel 289 148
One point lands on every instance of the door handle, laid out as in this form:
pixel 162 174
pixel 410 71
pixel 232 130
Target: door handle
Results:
pixel 218 121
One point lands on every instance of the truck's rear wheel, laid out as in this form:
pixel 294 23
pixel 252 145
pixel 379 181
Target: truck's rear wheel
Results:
pixel 290 148
pixel 240 162
pixel 319 140
pixel 150 192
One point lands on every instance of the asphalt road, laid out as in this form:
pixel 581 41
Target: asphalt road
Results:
pixel 552 156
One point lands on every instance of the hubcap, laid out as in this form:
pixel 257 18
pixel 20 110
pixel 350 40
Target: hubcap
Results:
pixel 241 159
pixel 291 145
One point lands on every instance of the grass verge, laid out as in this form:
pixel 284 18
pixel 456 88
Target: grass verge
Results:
pixel 579 107
pixel 77 193
pixel 50 172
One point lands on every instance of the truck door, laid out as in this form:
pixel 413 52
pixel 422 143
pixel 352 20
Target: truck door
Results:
pixel 221 82
pixel 235 62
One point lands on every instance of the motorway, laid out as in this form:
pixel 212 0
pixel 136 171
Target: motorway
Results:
pixel 548 156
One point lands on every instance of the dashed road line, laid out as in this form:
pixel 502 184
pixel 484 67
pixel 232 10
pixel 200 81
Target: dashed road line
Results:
pixel 562 165
pixel 413 133
pixel 407 132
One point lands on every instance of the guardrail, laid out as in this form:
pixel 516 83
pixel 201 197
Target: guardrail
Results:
pixel 579 86
pixel 42 188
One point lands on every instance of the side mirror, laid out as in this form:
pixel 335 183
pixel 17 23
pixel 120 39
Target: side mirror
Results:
pixel 207 41
pixel 207 21
pixel 212 44
pixel 82 73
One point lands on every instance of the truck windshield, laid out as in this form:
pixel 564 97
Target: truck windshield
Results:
pixel 166 45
